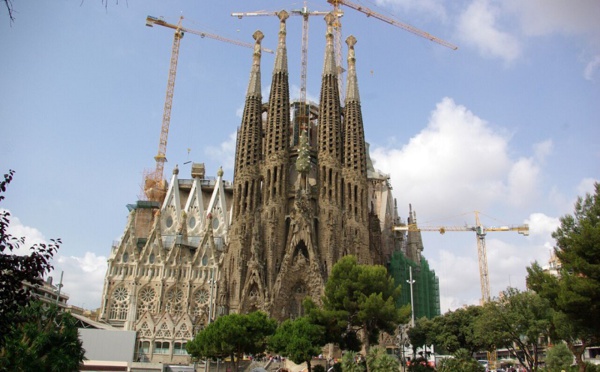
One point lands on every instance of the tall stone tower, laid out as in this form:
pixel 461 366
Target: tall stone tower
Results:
pixel 298 205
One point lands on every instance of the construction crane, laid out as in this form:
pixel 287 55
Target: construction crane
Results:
pixel 391 21
pixel 154 184
pixel 480 233
pixel 370 13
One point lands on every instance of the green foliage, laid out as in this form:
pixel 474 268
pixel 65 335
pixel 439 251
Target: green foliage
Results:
pixel 363 295
pixel 16 269
pixel 335 323
pixel 46 341
pixel 455 330
pixel 298 340
pixel 558 358
pixel 419 334
pixel 574 295
pixel 516 321
pixel 318 368
pixel 380 361
pixel 462 362
pixel 353 362
pixel 233 335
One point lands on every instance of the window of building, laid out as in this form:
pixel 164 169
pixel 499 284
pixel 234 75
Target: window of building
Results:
pixel 161 347
pixel 179 348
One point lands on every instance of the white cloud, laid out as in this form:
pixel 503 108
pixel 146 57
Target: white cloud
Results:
pixel 457 163
pixel 542 150
pixel 477 27
pixel 546 17
pixel 83 278
pixel 224 154
pixel 522 181
pixel 542 225
pixel 543 17
pixel 17 229
pixel 586 186
pixel 590 70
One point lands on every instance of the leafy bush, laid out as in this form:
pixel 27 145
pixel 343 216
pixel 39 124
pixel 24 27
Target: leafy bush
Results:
pixel 558 358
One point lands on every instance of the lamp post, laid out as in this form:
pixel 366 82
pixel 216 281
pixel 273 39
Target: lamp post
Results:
pixel 412 306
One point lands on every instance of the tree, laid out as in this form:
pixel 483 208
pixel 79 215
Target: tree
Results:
pixel 420 334
pixel 454 330
pixel 46 341
pixel 299 340
pixel 558 358
pixel 366 295
pixel 517 321
pixel 335 323
pixel 352 362
pixel 380 361
pixel 17 269
pixel 574 294
pixel 233 336
pixel 462 361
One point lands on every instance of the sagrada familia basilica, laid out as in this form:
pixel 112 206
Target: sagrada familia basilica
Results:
pixel 304 194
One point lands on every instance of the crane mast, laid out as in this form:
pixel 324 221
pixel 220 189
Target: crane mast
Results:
pixel 154 184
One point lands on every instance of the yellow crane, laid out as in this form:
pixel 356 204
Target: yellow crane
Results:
pixel 480 233
pixel 154 184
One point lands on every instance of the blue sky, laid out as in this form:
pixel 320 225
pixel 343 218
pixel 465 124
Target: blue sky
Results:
pixel 507 125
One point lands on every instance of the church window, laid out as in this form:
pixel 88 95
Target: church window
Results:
pixel 146 302
pixel 201 296
pixel 169 221
pixel 145 330
pixel 179 348
pixel 125 257
pixel 161 347
pixel 151 258
pixel 174 299
pixel 163 331
pixel 119 305
pixel 183 332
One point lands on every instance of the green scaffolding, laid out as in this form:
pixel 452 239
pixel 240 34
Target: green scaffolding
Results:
pixel 426 286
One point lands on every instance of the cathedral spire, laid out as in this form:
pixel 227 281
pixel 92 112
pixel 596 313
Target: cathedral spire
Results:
pixel 278 117
pixel 254 85
pixel 329 67
pixel 249 149
pixel 330 127
pixel 281 56
pixel 352 83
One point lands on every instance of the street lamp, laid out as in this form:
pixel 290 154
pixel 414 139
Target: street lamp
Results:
pixel 412 306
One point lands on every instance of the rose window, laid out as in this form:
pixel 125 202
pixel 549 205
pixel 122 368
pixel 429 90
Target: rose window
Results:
pixel 147 294
pixel 201 296
pixel 175 295
pixel 120 294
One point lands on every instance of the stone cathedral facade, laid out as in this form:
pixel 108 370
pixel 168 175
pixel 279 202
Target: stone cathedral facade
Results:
pixel 304 194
